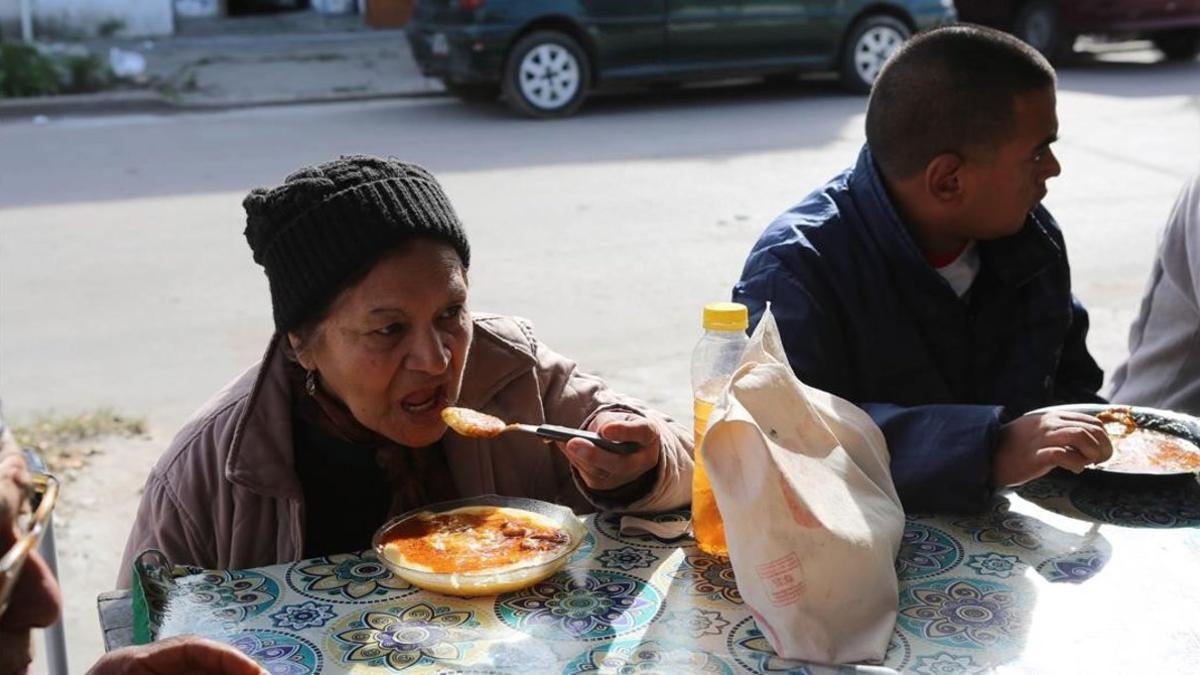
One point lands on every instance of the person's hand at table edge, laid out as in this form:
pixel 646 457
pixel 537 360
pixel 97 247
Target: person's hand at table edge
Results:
pixel 186 655
pixel 1031 445
pixel 603 470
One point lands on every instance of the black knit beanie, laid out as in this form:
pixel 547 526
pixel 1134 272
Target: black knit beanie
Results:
pixel 328 221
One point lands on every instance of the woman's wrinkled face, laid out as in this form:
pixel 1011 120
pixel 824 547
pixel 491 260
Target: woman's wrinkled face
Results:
pixel 393 346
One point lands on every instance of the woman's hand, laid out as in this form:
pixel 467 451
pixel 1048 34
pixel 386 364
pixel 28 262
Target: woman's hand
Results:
pixel 188 655
pixel 601 469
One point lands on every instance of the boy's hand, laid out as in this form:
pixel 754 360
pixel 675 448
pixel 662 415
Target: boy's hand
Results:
pixel 1031 445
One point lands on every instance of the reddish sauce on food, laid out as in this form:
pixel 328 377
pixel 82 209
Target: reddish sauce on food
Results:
pixel 1153 452
pixel 473 539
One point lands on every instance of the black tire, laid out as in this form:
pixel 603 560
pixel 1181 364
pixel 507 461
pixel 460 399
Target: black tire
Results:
pixel 1178 45
pixel 1037 24
pixel 870 42
pixel 565 63
pixel 474 92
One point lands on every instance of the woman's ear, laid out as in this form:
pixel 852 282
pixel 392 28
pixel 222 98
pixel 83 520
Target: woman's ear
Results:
pixel 301 351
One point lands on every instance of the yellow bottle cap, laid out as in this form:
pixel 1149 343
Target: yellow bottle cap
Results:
pixel 726 316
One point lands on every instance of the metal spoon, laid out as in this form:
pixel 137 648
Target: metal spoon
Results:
pixel 474 424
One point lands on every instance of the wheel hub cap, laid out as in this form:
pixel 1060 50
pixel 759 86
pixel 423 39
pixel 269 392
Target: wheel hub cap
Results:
pixel 873 50
pixel 549 76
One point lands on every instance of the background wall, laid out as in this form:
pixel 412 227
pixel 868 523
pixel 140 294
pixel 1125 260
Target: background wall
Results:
pixel 71 18
pixel 10 19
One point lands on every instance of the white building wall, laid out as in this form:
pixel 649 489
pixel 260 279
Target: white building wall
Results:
pixel 137 17
pixel 193 8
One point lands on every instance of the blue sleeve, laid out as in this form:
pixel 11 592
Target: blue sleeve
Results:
pixel 941 454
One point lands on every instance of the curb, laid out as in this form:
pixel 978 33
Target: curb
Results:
pixel 132 102
pixel 113 102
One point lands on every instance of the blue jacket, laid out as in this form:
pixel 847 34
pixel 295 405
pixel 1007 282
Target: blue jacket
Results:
pixel 863 316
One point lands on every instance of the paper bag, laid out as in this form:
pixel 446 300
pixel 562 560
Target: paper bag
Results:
pixel 812 518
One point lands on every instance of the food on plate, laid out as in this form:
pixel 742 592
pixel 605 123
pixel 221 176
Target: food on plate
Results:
pixel 473 423
pixel 1118 421
pixel 1138 448
pixel 474 539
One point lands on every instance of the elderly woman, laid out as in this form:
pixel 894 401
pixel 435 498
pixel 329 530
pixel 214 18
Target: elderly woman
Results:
pixel 339 426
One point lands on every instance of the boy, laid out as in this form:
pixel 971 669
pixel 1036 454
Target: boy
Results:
pixel 929 286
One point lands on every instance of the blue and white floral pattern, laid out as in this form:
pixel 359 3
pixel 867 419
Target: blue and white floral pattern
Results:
pixel 1073 568
pixel 581 605
pixel 926 551
pixel 899 651
pixel 708 577
pixel 303 616
pixel 1001 527
pixel 695 622
pixel 751 650
pixel 945 664
pixel 279 653
pixel 652 657
pixel 1046 488
pixel 963 613
pixel 399 638
pixel 233 596
pixel 626 559
pixel 994 564
pixel 1169 506
pixel 347 578
pixel 584 552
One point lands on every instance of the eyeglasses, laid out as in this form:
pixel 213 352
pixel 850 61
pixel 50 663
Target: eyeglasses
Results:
pixel 44 495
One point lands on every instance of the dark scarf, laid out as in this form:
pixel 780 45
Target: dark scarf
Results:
pixel 418 476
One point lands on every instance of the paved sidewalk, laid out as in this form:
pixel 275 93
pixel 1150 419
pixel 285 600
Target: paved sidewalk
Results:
pixel 229 63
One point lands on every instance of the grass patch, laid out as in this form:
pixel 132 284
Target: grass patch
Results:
pixel 66 442
pixel 29 70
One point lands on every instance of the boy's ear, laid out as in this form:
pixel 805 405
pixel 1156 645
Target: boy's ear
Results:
pixel 944 179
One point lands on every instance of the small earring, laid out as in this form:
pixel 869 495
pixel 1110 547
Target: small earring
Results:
pixel 310 382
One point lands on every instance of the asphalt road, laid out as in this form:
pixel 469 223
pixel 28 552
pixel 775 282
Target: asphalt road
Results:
pixel 125 280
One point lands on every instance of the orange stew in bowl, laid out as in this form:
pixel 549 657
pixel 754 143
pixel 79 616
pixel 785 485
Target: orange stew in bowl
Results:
pixel 474 539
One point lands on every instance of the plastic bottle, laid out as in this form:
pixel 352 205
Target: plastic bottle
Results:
pixel 716 357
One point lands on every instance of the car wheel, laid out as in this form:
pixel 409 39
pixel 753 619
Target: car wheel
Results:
pixel 1037 24
pixel 871 42
pixel 472 93
pixel 547 75
pixel 1178 45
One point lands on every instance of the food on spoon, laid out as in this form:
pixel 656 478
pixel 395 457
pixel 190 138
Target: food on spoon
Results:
pixel 1138 449
pixel 473 423
pixel 474 539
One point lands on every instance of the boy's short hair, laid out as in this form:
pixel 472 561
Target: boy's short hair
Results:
pixel 949 90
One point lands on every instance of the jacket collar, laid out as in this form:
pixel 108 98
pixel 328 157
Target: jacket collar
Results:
pixel 1015 260
pixel 496 358
pixel 261 454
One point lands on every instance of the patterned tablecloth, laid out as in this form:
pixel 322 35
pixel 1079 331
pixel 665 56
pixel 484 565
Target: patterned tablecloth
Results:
pixel 1065 575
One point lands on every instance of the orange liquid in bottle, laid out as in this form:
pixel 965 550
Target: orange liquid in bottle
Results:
pixel 707 525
